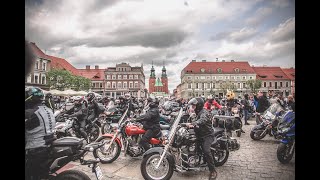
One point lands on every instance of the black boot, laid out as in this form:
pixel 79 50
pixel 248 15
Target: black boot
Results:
pixel 213 175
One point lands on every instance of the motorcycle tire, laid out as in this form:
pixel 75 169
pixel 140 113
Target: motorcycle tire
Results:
pixel 221 162
pixel 72 175
pixel 281 153
pixel 94 133
pixel 143 167
pixel 252 135
pixel 115 144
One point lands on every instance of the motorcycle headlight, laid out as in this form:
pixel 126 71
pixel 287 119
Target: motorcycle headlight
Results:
pixel 235 111
pixel 108 113
pixel 284 130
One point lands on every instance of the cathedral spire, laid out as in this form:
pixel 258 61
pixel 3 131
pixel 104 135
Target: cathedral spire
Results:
pixel 164 71
pixel 152 75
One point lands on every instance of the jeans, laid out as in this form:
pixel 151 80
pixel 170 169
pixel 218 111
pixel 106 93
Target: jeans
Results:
pixel 246 115
pixel 205 145
pixel 258 119
pixel 150 133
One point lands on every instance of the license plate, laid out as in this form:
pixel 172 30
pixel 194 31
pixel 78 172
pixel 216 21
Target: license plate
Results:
pixel 98 172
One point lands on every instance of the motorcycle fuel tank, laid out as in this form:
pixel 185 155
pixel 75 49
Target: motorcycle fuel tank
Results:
pixel 134 130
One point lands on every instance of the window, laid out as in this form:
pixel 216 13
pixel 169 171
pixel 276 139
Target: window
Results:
pixel 125 76
pixel 270 84
pixel 287 84
pixel 244 85
pixel 136 76
pixel 189 85
pixel 36 65
pixel 130 76
pixel 113 76
pixel 125 85
pixel 226 77
pixel 130 84
pixel 108 85
pixel 265 84
pixel 119 76
pixel 44 66
pixel 250 77
pixel 43 80
pixel 119 85
pixel 213 77
pixel 232 77
pixel 136 84
pixel 203 85
pixel 202 77
pixel 219 70
pixel 213 85
pixel 197 77
pixel 239 85
pixel 197 85
pixel 238 77
pixel 280 84
pixel 36 79
pixel 202 69
pixel 113 84
pixel 108 77
pixel 244 77
pixel 208 77
pixel 189 77
pixel 100 85
pixel 220 77
pixel 276 85
pixel 236 70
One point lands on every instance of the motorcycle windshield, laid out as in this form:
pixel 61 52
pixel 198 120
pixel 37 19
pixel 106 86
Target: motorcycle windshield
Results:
pixel 272 111
pixel 287 120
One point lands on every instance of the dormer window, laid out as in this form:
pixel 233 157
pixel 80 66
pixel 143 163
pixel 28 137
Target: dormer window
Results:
pixel 262 76
pixel 202 70
pixel 244 70
pixel 219 70
pixel 95 77
pixel 277 76
pixel 236 70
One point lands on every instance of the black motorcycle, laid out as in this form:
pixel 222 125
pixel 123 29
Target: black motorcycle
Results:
pixel 67 149
pixel 182 153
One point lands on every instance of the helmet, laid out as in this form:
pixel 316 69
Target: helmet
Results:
pixel 49 95
pixel 90 96
pixel 78 100
pixel 153 102
pixel 198 102
pixel 33 95
pixel 210 97
pixel 127 96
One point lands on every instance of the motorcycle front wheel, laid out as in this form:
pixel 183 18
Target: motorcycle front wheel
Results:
pixel 149 170
pixel 107 156
pixel 94 133
pixel 220 156
pixel 283 153
pixel 72 175
pixel 257 135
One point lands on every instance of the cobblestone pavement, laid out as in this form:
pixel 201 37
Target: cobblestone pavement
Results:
pixel 254 160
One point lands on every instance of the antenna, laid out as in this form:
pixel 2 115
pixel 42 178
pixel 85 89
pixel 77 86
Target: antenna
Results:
pixel 217 59
pixel 152 63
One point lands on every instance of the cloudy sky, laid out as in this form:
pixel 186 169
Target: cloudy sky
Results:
pixel 106 32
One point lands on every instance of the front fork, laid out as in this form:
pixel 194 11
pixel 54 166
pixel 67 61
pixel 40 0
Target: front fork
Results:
pixel 292 147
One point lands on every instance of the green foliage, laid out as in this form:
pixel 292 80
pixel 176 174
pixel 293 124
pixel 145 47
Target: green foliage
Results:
pixel 254 84
pixel 62 79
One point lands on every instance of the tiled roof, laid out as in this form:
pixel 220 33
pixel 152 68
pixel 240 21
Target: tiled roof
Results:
pixel 212 67
pixel 37 51
pixel 59 63
pixel 270 73
pixel 290 72
pixel 93 74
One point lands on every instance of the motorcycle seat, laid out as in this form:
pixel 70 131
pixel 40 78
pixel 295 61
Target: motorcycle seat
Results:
pixel 164 127
pixel 67 141
pixel 217 131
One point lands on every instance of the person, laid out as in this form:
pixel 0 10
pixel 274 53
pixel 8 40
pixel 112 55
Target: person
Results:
pixel 93 109
pixel 204 132
pixel 291 103
pixel 80 111
pixel 151 123
pixel 211 103
pixel 231 102
pixel 262 105
pixel 246 108
pixel 49 102
pixel 39 126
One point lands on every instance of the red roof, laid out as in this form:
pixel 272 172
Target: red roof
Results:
pixel 37 51
pixel 212 67
pixel 92 74
pixel 270 73
pixel 290 72
pixel 59 63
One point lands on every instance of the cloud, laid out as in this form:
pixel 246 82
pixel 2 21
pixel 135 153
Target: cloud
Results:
pixel 260 15
pixel 285 31
pixel 280 3
pixel 236 36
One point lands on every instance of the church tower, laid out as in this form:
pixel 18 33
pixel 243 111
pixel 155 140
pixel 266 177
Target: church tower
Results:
pixel 152 80
pixel 164 80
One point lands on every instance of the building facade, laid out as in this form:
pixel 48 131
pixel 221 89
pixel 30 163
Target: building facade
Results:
pixel 37 77
pixel 290 72
pixel 157 86
pixel 205 78
pixel 124 79
pixel 273 80
pixel 97 78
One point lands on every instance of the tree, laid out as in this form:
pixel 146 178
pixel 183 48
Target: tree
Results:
pixel 254 84
pixel 62 79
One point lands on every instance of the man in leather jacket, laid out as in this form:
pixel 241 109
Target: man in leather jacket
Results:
pixel 204 132
pixel 151 123
pixel 39 126
pixel 92 107
pixel 80 111
pixel 263 104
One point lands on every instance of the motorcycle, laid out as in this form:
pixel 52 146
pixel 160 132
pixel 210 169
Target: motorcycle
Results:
pixel 129 133
pixel 110 119
pixel 71 127
pixel 67 149
pixel 286 129
pixel 270 121
pixel 182 154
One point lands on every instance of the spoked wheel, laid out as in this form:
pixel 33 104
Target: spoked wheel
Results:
pixel 110 155
pixel 94 133
pixel 149 170
pixel 257 135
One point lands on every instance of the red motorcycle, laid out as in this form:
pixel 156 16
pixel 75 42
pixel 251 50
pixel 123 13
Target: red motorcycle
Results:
pixel 128 134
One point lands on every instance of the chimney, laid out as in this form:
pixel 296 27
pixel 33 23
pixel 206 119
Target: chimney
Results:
pixel 232 60
pixel 204 60
pixel 87 66
pixel 194 60
pixel 96 67
pixel 223 60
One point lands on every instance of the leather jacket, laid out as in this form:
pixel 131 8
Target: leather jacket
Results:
pixel 204 123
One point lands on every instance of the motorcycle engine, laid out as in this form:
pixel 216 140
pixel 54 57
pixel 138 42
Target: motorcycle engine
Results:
pixel 189 155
